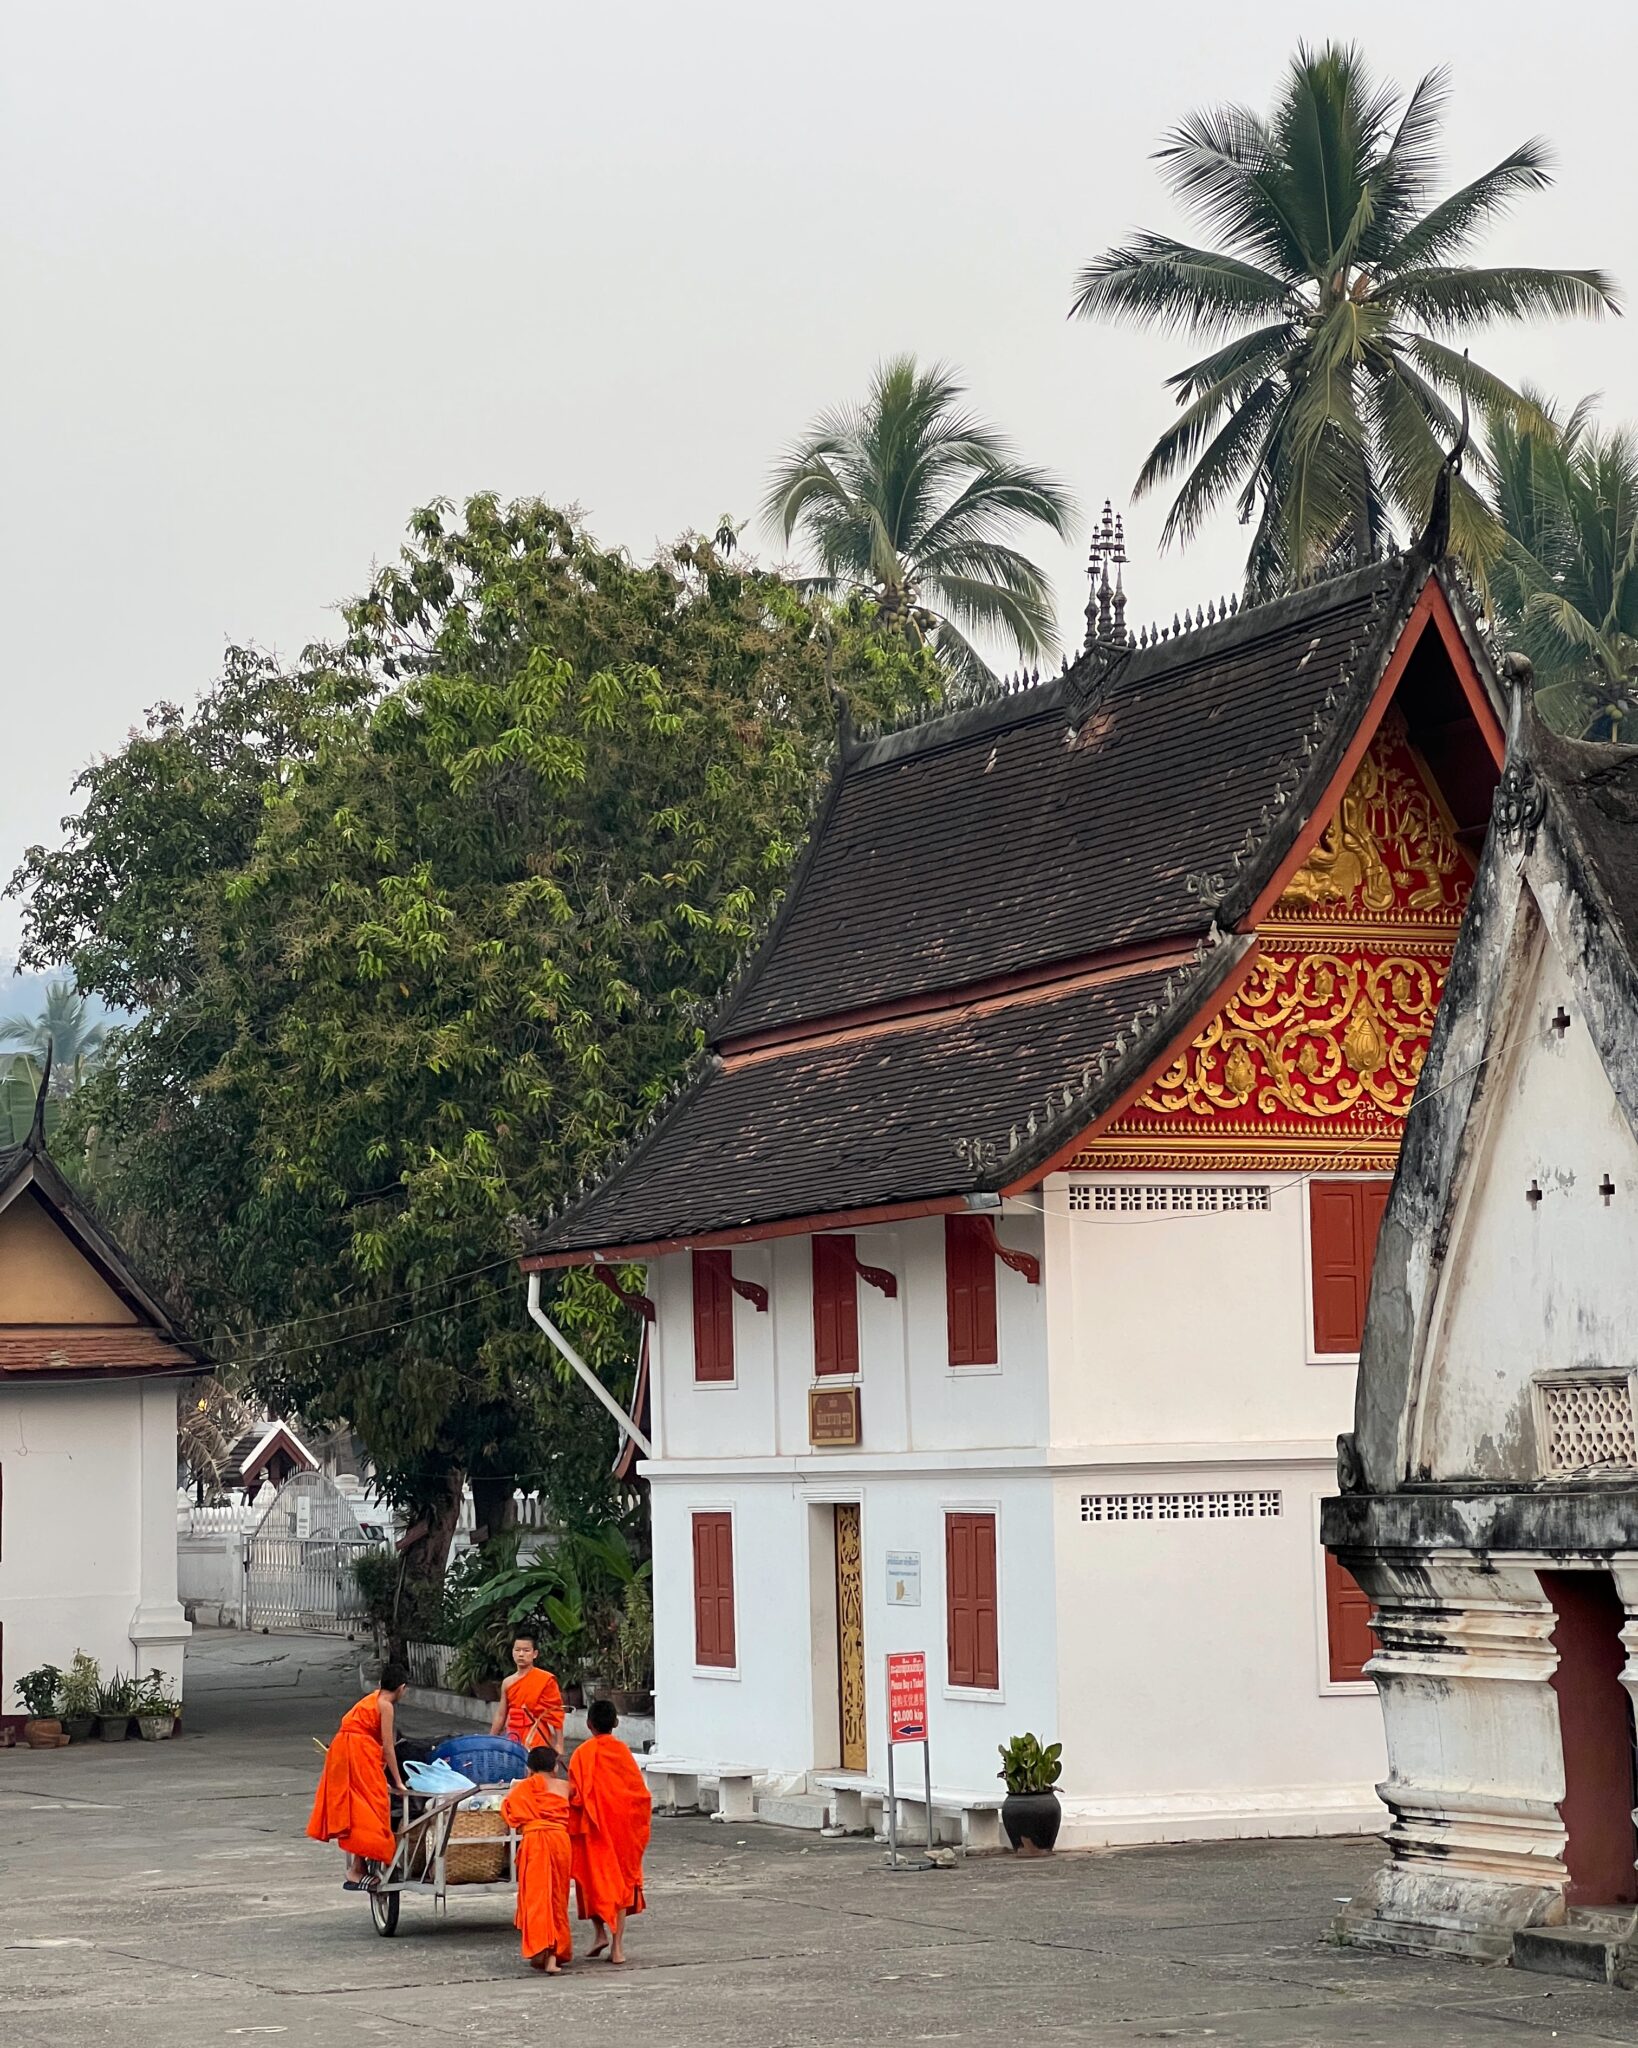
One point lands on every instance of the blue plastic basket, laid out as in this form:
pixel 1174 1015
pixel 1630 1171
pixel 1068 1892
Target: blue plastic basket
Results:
pixel 485 1759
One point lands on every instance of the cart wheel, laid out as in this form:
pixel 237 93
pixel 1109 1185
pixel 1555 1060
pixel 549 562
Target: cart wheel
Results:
pixel 384 1911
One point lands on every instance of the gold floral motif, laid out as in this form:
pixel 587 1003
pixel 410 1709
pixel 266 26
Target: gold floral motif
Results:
pixel 1312 1034
pixel 850 1637
pixel 1389 852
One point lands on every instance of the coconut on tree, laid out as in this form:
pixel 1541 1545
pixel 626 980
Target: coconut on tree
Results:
pixel 913 501
pixel 1334 290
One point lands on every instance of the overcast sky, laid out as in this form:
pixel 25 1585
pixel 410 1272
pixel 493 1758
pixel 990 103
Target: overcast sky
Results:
pixel 276 273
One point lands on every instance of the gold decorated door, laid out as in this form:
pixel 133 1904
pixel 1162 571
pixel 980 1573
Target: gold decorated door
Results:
pixel 850 1664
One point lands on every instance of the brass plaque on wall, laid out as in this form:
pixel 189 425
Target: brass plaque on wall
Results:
pixel 833 1417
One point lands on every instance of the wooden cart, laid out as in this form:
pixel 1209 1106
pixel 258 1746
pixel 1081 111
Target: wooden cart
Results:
pixel 421 1860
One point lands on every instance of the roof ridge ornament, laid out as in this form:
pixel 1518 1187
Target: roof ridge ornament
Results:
pixel 36 1129
pixel 1106 601
pixel 1435 540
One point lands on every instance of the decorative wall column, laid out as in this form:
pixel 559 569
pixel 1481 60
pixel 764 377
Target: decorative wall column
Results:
pixel 159 1628
pixel 1475 1760
pixel 1624 1570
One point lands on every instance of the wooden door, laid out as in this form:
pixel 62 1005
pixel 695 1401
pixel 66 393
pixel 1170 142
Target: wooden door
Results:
pixel 1595 1727
pixel 850 1671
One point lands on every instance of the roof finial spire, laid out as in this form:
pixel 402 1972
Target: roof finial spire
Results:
pixel 1106 604
pixel 37 1133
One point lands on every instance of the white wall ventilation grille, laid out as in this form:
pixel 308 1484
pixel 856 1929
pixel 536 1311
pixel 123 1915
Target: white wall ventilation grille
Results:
pixel 1259 1505
pixel 1587 1422
pixel 1169 1197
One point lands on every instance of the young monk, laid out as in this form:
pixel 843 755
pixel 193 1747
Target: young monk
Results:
pixel 608 1821
pixel 538 1807
pixel 530 1708
pixel 351 1806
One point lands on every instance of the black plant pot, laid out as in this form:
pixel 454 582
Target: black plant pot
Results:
pixel 1032 1821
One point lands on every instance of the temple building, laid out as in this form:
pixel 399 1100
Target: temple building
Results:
pixel 1007 1253
pixel 1490 1502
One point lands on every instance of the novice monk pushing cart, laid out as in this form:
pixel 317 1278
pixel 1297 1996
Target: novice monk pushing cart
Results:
pixel 351 1807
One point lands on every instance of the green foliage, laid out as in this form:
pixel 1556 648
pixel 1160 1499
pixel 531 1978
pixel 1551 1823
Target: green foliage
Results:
pixel 914 501
pixel 119 1694
pixel 38 1690
pixel 1333 294
pixel 64 1027
pixel 629 1660
pixel 1027 1767
pixel 419 931
pixel 1566 585
pixel 154 1696
pixel 576 1596
pixel 82 1687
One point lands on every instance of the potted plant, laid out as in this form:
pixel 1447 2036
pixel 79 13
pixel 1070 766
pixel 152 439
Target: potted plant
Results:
pixel 156 1707
pixel 82 1684
pixel 38 1690
pixel 630 1657
pixel 1030 1813
pixel 116 1700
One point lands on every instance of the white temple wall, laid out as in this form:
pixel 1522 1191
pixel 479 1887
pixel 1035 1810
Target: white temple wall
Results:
pixel 1195 1696
pixel 89 1554
pixel 1530 1286
pixel 911 1398
pixel 1173 1327
pixel 775 1711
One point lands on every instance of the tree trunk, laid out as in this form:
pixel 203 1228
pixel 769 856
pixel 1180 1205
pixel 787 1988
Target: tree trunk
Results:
pixel 424 1553
pixel 494 1511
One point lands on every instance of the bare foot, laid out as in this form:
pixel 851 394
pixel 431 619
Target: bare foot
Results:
pixel 537 1962
pixel 617 1955
pixel 552 1968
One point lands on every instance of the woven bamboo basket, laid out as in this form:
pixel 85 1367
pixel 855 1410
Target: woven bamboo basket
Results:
pixel 477 1849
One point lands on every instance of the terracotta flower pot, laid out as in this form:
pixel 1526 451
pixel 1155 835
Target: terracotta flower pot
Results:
pixel 42 1734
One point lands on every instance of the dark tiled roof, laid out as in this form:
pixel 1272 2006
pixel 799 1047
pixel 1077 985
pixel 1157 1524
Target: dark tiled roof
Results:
pixel 983 845
pixel 870 1119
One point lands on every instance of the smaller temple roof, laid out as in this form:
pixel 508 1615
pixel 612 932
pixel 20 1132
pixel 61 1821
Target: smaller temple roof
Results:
pixel 150 1347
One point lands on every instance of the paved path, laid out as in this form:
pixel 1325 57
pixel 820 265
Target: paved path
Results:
pixel 156 1895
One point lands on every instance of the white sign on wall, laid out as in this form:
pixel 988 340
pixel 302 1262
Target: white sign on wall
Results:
pixel 904 1578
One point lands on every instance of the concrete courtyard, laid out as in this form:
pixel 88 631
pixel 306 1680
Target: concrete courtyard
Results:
pixel 160 1894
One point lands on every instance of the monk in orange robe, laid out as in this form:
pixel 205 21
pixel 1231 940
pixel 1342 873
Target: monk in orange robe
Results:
pixel 609 1811
pixel 538 1808
pixel 351 1806
pixel 530 1708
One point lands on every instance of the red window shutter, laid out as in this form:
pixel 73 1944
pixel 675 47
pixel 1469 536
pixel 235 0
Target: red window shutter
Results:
pixel 1343 1217
pixel 972 1632
pixel 1349 1635
pixel 969 1291
pixel 1335 1220
pixel 835 1306
pixel 713 1316
pixel 714 1641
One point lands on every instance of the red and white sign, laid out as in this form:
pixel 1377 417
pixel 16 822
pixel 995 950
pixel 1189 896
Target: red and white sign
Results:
pixel 907 1696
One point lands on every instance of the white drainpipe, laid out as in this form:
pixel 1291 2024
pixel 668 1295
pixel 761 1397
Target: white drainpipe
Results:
pixel 561 1344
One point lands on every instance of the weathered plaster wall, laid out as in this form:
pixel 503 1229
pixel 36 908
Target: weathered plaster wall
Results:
pixel 43 1278
pixel 1530 1286
pixel 88 1557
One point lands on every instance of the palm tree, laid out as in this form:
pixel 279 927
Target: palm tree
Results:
pixel 1566 583
pixel 1329 300
pixel 913 501
pixel 63 1026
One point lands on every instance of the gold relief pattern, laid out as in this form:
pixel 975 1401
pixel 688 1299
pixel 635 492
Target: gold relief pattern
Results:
pixel 850 1637
pixel 1315 1057
pixel 1389 855
pixel 1314 1035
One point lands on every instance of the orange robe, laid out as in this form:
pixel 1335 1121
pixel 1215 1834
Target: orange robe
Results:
pixel 609 1810
pixel 541 1817
pixel 351 1806
pixel 534 1709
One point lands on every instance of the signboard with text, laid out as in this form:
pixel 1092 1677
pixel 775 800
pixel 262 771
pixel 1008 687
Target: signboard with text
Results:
pixel 833 1417
pixel 904 1578
pixel 907 1696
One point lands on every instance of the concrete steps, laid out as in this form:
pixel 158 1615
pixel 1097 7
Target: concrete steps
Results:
pixel 809 1810
pixel 1594 1946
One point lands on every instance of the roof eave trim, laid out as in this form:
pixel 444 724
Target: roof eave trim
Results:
pixel 748 1233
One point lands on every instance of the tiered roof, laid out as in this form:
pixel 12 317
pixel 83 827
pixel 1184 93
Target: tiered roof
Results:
pixel 1006 914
